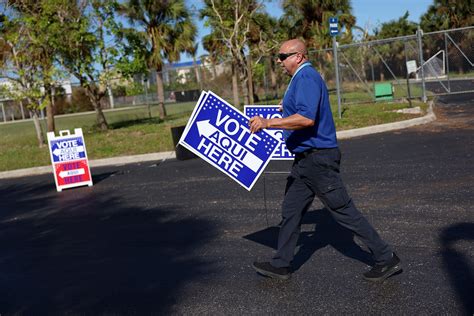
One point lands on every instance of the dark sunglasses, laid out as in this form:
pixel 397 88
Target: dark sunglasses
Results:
pixel 283 56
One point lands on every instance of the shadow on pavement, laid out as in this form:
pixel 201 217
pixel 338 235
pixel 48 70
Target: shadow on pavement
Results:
pixel 457 264
pixel 96 178
pixel 84 252
pixel 327 232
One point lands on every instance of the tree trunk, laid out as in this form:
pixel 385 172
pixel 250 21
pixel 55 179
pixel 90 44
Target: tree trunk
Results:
pixel 250 79
pixel 95 97
pixel 273 79
pixel 161 94
pixel 196 72
pixel 235 86
pixel 100 117
pixel 202 72
pixel 245 89
pixel 322 72
pixel 39 132
pixel 22 110
pixel 214 70
pixel 244 83
pixel 50 110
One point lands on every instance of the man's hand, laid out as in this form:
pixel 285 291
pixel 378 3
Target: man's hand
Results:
pixel 257 123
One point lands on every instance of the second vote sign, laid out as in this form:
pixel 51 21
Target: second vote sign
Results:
pixel 269 112
pixel 69 159
pixel 219 133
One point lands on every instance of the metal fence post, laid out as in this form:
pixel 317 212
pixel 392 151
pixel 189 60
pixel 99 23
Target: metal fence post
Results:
pixel 338 88
pixel 419 34
pixel 408 75
pixel 447 59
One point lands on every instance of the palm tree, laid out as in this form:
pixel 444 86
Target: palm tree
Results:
pixel 266 34
pixel 216 49
pixel 169 30
pixel 446 14
pixel 309 19
pixel 193 51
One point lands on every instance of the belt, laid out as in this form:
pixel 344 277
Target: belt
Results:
pixel 310 151
pixel 306 153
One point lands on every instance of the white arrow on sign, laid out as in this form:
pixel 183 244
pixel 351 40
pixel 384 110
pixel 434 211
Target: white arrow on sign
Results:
pixel 63 151
pixel 206 129
pixel 70 173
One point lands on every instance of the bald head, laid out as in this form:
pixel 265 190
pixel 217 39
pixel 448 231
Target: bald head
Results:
pixel 295 45
pixel 292 54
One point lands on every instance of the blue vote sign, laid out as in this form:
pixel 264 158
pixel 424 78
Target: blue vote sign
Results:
pixel 67 149
pixel 219 133
pixel 268 112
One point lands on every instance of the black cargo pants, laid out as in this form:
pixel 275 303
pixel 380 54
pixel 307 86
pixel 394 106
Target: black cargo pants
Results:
pixel 317 174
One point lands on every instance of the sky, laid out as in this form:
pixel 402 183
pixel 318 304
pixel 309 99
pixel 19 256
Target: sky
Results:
pixel 369 13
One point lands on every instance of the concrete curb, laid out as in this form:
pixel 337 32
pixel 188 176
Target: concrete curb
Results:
pixel 116 161
pixel 132 159
pixel 429 117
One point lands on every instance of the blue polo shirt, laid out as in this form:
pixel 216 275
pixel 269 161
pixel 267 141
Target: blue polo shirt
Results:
pixel 307 95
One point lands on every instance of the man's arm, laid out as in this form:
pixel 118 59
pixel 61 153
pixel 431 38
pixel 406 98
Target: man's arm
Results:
pixel 292 122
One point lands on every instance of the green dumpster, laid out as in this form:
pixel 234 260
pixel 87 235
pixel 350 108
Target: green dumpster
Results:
pixel 383 91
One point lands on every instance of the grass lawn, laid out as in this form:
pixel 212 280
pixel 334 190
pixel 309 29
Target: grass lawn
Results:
pixel 132 132
pixel 357 92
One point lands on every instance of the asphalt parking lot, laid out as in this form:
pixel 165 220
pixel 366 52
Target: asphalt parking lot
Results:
pixel 178 237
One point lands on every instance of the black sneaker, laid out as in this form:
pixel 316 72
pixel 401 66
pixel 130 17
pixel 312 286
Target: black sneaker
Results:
pixel 380 272
pixel 266 269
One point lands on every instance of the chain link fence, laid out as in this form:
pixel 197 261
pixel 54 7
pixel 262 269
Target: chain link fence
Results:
pixel 441 63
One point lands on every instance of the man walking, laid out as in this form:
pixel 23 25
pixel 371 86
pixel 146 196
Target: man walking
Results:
pixel 310 134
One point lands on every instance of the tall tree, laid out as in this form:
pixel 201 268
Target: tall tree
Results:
pixel 230 23
pixel 89 49
pixel 309 19
pixel 28 62
pixel 266 35
pixel 447 14
pixel 169 30
pixel 193 52
pixel 38 21
pixel 4 47
pixel 92 47
pixel 216 49
pixel 395 28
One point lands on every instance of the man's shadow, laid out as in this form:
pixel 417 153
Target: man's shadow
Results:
pixel 457 262
pixel 327 232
